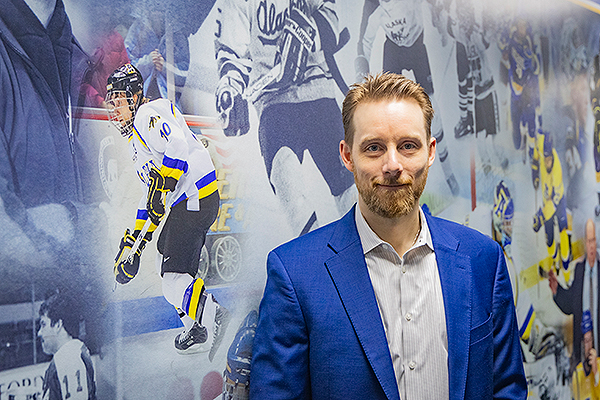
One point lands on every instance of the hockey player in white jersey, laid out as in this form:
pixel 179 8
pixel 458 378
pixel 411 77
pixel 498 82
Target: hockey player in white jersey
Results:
pixel 176 171
pixel 278 55
pixel 404 49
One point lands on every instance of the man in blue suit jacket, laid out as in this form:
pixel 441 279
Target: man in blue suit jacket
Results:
pixel 326 328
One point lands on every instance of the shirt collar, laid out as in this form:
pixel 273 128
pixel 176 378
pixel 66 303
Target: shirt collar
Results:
pixel 587 262
pixel 370 240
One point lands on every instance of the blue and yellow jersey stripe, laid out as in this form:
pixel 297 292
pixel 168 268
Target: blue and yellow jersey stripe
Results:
pixel 172 167
pixel 525 330
pixel 207 185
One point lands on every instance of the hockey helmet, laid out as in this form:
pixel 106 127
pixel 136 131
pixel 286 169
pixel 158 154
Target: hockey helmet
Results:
pixel 236 384
pixel 548 145
pixel 124 95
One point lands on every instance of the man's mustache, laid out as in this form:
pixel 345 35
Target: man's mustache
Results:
pixel 394 181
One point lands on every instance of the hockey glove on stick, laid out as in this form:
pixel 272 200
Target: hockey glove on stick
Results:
pixel 298 39
pixel 159 185
pixel 126 267
pixel 231 105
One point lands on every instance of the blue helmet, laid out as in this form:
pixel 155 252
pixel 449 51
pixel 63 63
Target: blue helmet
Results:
pixel 236 377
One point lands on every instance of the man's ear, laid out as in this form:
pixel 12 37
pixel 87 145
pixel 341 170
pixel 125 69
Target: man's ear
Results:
pixel 432 147
pixel 346 155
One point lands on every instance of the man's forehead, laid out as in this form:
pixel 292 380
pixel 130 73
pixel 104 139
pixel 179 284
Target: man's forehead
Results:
pixel 391 110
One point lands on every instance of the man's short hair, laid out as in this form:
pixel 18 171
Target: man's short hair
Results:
pixel 60 306
pixel 384 86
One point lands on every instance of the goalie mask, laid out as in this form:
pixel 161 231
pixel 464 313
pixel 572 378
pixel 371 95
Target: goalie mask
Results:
pixel 124 95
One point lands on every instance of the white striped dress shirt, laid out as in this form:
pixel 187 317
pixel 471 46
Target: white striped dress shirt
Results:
pixel 409 296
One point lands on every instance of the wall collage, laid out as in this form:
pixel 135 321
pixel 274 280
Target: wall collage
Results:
pixel 516 90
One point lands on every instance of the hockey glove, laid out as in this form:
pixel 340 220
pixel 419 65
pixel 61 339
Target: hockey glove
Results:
pixel 538 220
pixel 126 268
pixel 159 185
pixel 297 40
pixel 231 105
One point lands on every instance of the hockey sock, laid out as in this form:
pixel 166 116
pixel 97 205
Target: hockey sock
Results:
pixel 194 298
pixel 565 248
pixel 185 319
pixel 174 286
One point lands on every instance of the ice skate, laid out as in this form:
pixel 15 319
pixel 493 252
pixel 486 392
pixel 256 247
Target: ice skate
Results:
pixel 464 126
pixel 192 341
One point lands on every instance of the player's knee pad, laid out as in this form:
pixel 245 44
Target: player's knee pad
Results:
pixel 562 215
pixel 549 231
pixel 552 249
pixel 565 248
pixel 174 286
pixel 194 299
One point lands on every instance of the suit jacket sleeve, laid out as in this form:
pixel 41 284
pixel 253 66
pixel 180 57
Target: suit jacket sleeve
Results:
pixel 280 354
pixel 565 298
pixel 509 377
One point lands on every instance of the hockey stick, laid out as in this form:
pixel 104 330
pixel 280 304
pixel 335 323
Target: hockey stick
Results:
pixel 258 86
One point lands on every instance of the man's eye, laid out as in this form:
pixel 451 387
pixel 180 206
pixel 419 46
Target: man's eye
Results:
pixel 409 146
pixel 372 147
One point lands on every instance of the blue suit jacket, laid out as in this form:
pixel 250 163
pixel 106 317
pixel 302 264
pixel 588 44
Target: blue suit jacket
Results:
pixel 320 334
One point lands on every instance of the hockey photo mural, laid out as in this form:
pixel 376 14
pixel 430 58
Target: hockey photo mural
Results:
pixel 127 276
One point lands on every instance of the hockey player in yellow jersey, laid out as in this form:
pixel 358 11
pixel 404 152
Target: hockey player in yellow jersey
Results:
pixel 554 207
pixel 586 377
pixel 176 172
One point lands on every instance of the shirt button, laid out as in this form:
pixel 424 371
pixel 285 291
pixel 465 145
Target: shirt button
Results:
pixel 412 365
pixel 403 269
pixel 408 316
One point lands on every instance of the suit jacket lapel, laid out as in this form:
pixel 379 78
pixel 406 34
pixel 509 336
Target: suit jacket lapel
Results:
pixel 455 276
pixel 348 270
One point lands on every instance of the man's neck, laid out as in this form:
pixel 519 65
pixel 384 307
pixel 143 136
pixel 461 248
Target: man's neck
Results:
pixel 400 232
pixel 43 9
pixel 63 339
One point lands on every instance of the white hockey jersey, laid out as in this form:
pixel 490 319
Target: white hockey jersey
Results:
pixel 162 139
pixel 402 21
pixel 247 37
pixel 70 374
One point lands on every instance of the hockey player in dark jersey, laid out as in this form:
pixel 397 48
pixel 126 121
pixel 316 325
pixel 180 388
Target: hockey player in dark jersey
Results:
pixel 176 172
pixel 520 57
pixel 595 100
pixel 478 102
pixel 70 374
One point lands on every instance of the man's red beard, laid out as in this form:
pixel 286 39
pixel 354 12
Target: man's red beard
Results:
pixel 392 203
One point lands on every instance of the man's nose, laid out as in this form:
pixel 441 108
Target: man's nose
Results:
pixel 392 163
